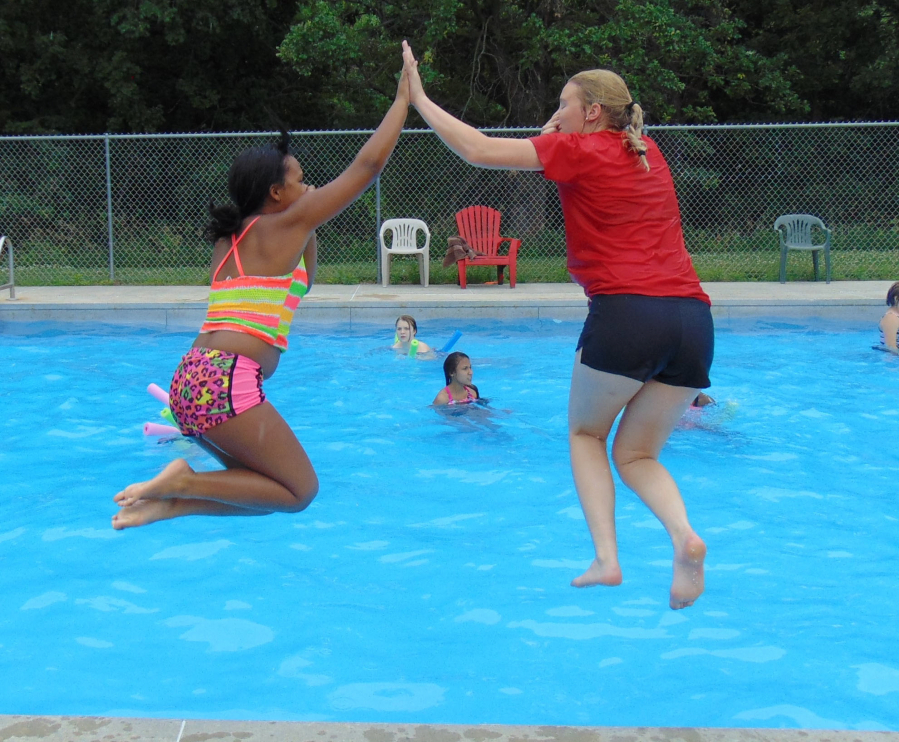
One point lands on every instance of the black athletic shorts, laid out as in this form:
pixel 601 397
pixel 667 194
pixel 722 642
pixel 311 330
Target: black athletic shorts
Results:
pixel 669 339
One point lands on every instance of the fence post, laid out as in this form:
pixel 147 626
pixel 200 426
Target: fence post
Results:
pixel 109 208
pixel 378 224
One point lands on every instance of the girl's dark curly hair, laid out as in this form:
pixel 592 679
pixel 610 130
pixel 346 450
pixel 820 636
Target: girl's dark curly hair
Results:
pixel 252 173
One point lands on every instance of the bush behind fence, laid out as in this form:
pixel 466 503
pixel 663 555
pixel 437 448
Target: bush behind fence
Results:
pixel 131 209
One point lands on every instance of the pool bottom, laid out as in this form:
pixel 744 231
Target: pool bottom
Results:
pixel 68 728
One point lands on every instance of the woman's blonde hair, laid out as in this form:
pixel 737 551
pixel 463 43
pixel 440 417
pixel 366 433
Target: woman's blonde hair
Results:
pixel 621 112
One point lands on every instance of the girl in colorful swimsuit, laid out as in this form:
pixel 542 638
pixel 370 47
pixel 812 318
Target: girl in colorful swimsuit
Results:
pixel 889 323
pixel 459 389
pixel 263 262
pixel 647 344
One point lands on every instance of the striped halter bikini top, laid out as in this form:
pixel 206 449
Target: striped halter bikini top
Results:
pixel 261 306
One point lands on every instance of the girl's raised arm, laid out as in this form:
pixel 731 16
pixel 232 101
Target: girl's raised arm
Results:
pixel 320 205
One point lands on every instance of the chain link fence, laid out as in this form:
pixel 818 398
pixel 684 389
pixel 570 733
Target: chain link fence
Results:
pixel 131 209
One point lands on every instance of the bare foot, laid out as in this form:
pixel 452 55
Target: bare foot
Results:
pixel 599 574
pixel 163 485
pixel 689 578
pixel 144 512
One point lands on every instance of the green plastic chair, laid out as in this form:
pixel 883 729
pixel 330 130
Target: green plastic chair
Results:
pixel 795 233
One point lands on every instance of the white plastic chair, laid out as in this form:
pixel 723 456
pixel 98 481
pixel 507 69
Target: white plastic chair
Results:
pixel 404 241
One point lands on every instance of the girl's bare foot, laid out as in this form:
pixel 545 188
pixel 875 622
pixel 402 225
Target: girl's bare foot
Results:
pixel 144 512
pixel 164 485
pixel 689 577
pixel 599 574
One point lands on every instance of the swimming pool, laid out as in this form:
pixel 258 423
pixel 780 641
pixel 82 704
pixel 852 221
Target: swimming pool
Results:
pixel 428 582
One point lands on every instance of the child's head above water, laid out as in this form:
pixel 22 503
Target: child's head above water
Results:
pixel 406 329
pixel 457 364
pixel 893 295
pixel 457 373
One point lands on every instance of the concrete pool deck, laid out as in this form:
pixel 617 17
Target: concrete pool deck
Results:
pixel 105 729
pixel 183 307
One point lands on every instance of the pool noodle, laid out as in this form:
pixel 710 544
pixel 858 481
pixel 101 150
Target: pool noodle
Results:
pixel 452 341
pixel 158 393
pixel 157 429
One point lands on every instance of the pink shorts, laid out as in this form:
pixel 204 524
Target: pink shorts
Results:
pixel 211 386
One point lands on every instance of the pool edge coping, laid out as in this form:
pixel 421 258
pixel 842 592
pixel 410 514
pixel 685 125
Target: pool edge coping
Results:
pixel 138 729
pixel 183 307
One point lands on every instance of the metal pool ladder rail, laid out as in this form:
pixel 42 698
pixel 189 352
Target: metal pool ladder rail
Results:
pixel 5 241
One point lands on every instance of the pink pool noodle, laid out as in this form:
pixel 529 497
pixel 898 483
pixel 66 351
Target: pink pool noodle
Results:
pixel 157 429
pixel 158 393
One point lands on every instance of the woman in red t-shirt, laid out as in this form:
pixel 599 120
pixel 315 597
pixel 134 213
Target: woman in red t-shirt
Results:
pixel 647 344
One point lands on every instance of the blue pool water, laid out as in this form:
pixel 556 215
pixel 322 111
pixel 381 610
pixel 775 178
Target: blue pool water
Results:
pixel 428 582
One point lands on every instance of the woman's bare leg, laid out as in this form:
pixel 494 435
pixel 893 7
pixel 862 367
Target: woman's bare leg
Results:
pixel 645 426
pixel 595 400
pixel 268 471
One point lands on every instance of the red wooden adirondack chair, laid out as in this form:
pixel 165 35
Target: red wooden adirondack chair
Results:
pixel 479 227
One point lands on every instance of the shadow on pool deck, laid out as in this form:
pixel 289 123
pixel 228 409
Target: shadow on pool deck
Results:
pixel 185 306
pixel 84 728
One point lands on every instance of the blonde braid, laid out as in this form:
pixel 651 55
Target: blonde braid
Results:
pixel 634 133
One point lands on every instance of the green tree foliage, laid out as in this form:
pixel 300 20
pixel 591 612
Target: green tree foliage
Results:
pixel 503 62
pixel 212 65
pixel 846 52
pixel 97 66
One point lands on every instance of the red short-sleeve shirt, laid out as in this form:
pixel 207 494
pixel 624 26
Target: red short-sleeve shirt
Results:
pixel 622 224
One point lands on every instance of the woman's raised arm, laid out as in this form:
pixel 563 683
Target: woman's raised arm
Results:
pixel 466 141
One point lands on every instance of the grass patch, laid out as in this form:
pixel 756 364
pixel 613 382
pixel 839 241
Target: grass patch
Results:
pixel 722 265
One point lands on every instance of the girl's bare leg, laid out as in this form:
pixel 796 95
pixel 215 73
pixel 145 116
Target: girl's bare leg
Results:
pixel 268 471
pixel 645 426
pixel 595 400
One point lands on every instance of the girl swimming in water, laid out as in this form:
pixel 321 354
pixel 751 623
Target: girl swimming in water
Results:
pixel 889 323
pixel 406 342
pixel 459 389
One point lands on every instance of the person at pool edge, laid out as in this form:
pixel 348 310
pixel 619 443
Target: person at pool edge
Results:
pixel 264 249
pixel 625 246
pixel 889 323
pixel 406 340
pixel 458 374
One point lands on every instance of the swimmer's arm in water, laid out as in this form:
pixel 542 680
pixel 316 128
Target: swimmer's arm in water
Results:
pixel 310 254
pixel 441 399
pixel 424 347
pixel 890 326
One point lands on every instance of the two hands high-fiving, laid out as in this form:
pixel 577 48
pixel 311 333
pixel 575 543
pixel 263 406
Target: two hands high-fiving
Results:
pixel 417 94
pixel 411 77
